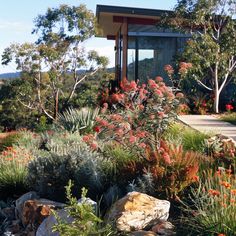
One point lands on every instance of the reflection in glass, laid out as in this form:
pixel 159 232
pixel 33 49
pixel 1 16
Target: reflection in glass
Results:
pixel 131 64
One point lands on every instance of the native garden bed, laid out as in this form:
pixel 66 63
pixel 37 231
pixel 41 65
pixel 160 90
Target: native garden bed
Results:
pixel 182 180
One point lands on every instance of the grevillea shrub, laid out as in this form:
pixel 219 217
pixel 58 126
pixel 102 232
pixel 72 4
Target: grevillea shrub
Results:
pixel 140 114
pixel 177 75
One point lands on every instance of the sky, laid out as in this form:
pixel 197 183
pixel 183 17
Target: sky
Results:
pixel 17 16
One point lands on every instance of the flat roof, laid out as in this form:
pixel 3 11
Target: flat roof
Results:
pixel 106 13
pixel 130 10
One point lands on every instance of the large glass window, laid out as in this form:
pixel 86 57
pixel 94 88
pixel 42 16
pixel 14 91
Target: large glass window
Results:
pixel 147 56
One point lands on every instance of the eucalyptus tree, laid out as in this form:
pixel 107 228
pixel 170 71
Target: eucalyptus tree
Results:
pixel 58 51
pixel 212 48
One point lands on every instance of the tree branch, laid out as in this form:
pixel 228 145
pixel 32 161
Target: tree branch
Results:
pixel 29 106
pixel 77 82
pixel 205 86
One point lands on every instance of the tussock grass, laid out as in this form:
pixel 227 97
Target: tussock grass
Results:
pixel 190 139
pixel 229 117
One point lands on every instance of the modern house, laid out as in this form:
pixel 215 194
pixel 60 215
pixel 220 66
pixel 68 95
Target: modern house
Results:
pixel 142 48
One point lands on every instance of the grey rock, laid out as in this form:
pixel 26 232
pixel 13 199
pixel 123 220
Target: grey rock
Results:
pixel 45 228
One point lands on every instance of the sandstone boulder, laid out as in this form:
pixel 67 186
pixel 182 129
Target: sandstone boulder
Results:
pixel 137 211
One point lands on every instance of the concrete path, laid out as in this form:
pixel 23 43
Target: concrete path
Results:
pixel 209 123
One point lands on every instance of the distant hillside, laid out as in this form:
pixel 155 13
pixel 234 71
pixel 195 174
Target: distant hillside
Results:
pixel 10 75
pixel 17 74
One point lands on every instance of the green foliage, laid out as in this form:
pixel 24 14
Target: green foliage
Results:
pixel 43 125
pixel 85 221
pixel 60 142
pixel 190 139
pixel 229 117
pixel 213 207
pixel 222 150
pixel 10 139
pixel 74 120
pixel 211 50
pixel 23 139
pixel 118 162
pixel 89 91
pixel 28 140
pixel 48 173
pixel 77 20
pixel 13 115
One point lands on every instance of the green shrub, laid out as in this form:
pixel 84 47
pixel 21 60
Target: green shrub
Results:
pixel 60 142
pixel 10 139
pixel 85 221
pixel 48 174
pixel 117 164
pixel 42 125
pixel 28 140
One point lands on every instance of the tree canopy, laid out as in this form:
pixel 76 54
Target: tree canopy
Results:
pixel 58 51
pixel 212 48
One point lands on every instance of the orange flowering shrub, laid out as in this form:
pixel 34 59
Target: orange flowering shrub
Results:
pixel 214 204
pixel 16 155
pixel 172 169
pixel 13 171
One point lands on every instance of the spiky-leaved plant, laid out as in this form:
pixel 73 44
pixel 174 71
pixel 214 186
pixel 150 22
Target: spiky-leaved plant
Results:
pixel 77 120
pixel 212 209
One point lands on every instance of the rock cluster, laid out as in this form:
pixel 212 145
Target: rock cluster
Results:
pixel 27 214
pixel 137 214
